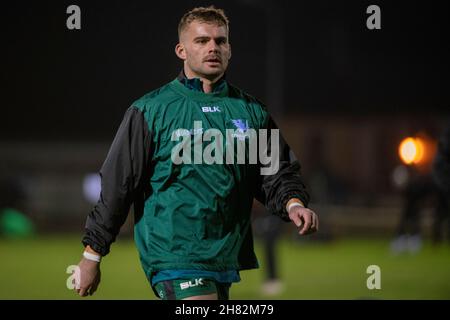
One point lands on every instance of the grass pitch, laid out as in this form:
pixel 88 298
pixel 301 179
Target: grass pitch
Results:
pixel 36 269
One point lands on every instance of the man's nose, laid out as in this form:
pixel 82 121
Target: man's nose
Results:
pixel 213 46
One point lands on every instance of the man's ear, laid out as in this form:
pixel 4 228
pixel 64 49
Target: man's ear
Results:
pixel 229 55
pixel 180 51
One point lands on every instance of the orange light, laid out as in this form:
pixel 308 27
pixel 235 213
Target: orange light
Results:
pixel 412 150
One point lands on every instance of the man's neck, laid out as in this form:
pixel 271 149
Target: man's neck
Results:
pixel 208 84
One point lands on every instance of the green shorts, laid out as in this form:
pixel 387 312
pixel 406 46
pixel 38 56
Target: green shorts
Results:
pixel 184 288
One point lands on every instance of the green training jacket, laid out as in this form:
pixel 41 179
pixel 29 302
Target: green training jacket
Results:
pixel 189 215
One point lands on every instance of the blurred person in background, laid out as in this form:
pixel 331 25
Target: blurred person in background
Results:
pixel 426 188
pixel 14 223
pixel 417 196
pixel 268 228
pixel 441 178
pixel 192 221
pixel 272 229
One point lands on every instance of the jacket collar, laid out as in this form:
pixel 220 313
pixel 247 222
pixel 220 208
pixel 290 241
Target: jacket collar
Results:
pixel 197 85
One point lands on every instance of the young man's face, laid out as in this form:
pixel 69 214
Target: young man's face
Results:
pixel 205 50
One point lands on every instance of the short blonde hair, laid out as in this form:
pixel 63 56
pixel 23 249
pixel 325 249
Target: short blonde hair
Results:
pixel 203 14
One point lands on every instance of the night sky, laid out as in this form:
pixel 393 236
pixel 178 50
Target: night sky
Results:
pixel 65 84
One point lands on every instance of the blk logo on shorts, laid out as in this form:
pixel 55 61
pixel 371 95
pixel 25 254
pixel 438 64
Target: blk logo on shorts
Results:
pixel 189 284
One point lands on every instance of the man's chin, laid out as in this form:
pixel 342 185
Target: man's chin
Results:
pixel 212 73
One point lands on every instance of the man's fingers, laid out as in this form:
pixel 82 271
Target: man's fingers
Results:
pixel 94 287
pixel 307 219
pixel 76 283
pixel 297 220
pixel 313 221
pixel 307 224
pixel 317 221
pixel 83 292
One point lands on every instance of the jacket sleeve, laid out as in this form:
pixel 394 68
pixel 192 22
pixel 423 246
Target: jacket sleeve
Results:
pixel 275 190
pixel 123 175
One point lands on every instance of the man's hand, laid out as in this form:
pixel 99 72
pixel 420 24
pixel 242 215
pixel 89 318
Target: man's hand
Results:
pixel 89 277
pixel 305 219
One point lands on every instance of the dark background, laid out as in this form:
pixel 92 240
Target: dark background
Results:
pixel 60 84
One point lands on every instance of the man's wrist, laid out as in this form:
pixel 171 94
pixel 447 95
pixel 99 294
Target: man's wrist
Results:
pixel 294 202
pixel 91 254
pixel 92 257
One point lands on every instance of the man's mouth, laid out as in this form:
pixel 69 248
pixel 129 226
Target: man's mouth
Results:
pixel 213 60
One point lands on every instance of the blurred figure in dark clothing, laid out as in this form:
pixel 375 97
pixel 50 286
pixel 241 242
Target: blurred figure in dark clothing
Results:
pixel 441 179
pixel 417 194
pixel 269 231
pixel 441 165
pixel 14 223
pixel 430 189
pixel 272 229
